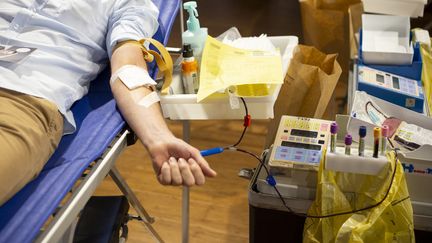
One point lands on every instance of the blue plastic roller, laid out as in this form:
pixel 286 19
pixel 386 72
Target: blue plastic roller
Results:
pixel 211 151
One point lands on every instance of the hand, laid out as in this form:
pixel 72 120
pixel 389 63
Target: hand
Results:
pixel 178 163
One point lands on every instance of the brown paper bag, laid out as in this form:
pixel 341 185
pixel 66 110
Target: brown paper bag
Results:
pixel 325 26
pixel 355 12
pixel 308 86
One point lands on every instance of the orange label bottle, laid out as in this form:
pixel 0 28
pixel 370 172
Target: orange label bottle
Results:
pixel 189 71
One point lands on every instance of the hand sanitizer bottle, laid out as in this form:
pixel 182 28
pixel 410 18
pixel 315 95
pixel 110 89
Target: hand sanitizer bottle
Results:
pixel 195 35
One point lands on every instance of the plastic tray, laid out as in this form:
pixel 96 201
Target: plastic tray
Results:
pixel 186 107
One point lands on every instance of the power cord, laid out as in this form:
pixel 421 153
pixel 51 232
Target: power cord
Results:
pixel 371 206
pixel 246 124
pixel 271 181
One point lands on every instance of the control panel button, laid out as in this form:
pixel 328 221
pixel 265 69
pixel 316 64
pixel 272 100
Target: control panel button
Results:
pixel 324 127
pixel 299 152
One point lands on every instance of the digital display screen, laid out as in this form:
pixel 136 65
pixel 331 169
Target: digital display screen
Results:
pixel 303 133
pixel 301 145
pixel 379 78
pixel 396 83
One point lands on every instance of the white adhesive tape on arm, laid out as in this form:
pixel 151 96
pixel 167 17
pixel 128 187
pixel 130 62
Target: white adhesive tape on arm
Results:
pixel 133 77
pixel 149 99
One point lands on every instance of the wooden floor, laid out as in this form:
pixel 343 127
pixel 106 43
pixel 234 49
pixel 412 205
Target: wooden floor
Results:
pixel 219 209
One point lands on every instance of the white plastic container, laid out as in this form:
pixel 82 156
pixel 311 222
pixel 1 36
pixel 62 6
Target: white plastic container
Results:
pixel 386 40
pixel 186 107
pixel 411 8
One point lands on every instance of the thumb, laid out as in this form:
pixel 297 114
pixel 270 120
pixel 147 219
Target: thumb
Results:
pixel 205 167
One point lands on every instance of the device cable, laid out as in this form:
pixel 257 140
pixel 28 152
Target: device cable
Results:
pixel 246 124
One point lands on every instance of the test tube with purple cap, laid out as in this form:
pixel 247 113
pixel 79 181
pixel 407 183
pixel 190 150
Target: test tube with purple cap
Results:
pixel 333 131
pixel 348 142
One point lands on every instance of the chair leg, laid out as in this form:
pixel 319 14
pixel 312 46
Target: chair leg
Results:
pixel 133 200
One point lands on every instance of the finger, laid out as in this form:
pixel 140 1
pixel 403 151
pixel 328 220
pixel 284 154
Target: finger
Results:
pixel 197 172
pixel 165 174
pixel 176 178
pixel 205 167
pixel 188 178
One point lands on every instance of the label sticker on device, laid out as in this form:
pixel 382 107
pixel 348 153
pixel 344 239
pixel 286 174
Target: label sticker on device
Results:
pixel 410 102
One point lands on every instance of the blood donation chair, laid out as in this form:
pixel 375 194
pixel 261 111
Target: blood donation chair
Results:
pixel 45 209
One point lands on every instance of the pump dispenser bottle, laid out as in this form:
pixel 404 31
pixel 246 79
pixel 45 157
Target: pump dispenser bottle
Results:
pixel 194 35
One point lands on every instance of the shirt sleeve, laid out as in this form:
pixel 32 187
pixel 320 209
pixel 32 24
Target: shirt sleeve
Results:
pixel 131 20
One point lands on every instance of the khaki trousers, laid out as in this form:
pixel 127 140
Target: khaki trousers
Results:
pixel 30 130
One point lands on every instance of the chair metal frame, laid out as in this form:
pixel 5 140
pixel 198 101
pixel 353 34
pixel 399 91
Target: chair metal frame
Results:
pixel 63 220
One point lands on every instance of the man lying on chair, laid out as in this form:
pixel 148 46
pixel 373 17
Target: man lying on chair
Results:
pixel 73 40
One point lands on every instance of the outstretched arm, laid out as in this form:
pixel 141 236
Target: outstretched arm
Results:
pixel 174 161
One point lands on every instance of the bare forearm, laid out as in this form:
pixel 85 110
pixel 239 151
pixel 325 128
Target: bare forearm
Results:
pixel 147 122
pixel 174 161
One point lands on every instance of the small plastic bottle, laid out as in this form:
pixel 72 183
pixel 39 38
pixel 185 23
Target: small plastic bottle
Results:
pixel 189 71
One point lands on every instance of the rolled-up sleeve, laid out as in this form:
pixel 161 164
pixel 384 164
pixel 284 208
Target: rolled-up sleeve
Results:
pixel 131 20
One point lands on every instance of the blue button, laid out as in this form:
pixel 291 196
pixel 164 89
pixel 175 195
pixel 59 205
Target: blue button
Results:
pixel 281 156
pixel 299 152
pixel 299 158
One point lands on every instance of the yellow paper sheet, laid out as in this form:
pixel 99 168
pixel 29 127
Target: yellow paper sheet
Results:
pixel 223 66
pixel 426 52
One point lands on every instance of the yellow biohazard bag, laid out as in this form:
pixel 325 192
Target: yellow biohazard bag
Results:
pixel 361 208
pixel 426 53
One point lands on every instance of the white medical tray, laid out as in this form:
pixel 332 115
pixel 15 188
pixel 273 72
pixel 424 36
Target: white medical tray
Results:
pixel 186 107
